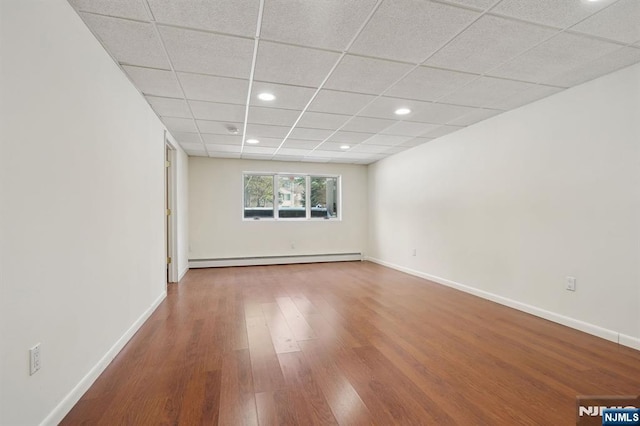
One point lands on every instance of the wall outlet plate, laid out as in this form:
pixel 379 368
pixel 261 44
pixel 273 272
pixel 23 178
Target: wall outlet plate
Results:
pixel 571 283
pixel 34 359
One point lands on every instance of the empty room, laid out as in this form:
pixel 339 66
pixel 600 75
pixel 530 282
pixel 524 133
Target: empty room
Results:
pixel 327 212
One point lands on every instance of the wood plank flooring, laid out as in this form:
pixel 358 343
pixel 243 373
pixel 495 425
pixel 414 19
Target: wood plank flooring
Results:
pixel 347 344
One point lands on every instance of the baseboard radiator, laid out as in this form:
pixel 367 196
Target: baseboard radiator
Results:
pixel 275 260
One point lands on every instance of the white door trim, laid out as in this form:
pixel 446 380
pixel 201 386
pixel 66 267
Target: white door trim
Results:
pixel 171 193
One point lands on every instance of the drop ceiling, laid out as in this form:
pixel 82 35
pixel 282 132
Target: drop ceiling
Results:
pixel 340 68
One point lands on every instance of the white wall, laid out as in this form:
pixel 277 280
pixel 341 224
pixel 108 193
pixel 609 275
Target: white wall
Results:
pixel 81 206
pixel 512 205
pixel 215 213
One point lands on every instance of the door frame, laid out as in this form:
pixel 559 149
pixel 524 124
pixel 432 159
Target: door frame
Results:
pixel 171 228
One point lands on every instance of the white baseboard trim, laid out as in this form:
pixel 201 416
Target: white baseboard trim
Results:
pixel 183 273
pixel 592 329
pixel 274 260
pixel 67 403
pixel 632 342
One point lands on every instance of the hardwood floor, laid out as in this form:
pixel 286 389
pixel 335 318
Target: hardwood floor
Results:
pixel 349 344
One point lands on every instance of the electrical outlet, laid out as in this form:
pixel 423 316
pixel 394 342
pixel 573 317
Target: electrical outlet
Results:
pixel 293 246
pixel 571 283
pixel 34 359
pixel 414 252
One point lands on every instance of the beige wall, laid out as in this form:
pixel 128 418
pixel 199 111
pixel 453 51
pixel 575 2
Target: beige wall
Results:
pixel 215 213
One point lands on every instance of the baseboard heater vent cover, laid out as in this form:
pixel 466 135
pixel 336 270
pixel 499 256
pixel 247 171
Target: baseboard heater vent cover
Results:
pixel 274 260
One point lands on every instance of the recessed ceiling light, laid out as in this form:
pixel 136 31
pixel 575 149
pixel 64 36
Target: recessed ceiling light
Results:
pixel 233 130
pixel 403 111
pixel 266 96
pixel 345 147
pixel 253 141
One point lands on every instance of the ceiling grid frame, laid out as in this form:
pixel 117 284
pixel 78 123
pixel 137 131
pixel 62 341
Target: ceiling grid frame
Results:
pixel 621 51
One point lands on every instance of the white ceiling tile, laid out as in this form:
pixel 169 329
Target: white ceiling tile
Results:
pixel 289 97
pixel 217 111
pixel 186 138
pixel 388 140
pixel 315 160
pixel 487 43
pixel 154 82
pixel 214 89
pixel 480 4
pixel 328 24
pixel 258 131
pixel 192 146
pixel 286 157
pixel 179 124
pixel 371 149
pixel 218 127
pixel 411 30
pixel 132 9
pixel 532 94
pixel 211 139
pixel 130 42
pixel 429 84
pixel 169 107
pixel 365 75
pixel 441 131
pixel 619 22
pixel 196 153
pixel 603 65
pixel 354 155
pixel 206 53
pixel 273 116
pixel 385 107
pixel 226 16
pixel 415 142
pixel 264 150
pixel 270 142
pixel 350 138
pixel 310 134
pixel 322 153
pixel 440 113
pixel 223 148
pixel 281 63
pixel 474 116
pixel 408 128
pixel 367 124
pixel 556 13
pixel 339 102
pixel 486 91
pixel 300 144
pixel 293 151
pixel 560 54
pixel 214 154
pixel 251 156
pixel 320 120
pixel 332 147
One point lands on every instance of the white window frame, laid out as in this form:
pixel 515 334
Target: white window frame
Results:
pixel 307 176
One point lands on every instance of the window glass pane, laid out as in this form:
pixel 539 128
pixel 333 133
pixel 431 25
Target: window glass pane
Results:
pixel 292 196
pixel 324 196
pixel 258 196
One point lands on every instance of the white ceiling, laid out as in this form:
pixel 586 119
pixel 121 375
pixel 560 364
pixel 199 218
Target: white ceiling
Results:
pixel 339 69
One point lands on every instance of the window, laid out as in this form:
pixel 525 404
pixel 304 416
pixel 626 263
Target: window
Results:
pixel 324 196
pixel 258 196
pixel 292 200
pixel 291 196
